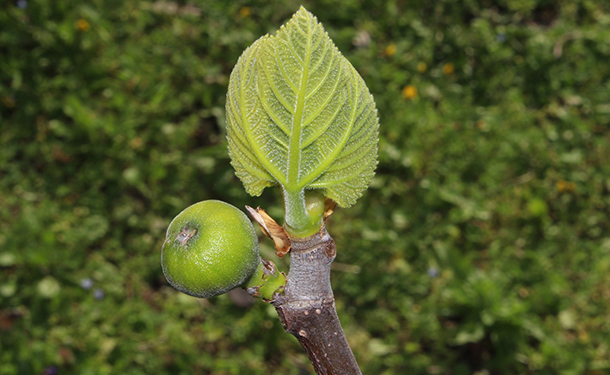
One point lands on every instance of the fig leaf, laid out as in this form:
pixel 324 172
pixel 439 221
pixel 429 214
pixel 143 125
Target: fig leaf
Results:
pixel 300 115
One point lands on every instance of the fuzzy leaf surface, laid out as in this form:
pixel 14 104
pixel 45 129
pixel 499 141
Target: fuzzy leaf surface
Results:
pixel 300 115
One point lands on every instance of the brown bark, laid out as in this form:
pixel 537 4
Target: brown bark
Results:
pixel 307 307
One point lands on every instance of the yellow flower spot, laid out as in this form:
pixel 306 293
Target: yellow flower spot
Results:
pixel 583 336
pixel 482 125
pixel 136 143
pixel 563 186
pixel 409 92
pixel 390 50
pixel 448 68
pixel 245 11
pixel 422 67
pixel 82 25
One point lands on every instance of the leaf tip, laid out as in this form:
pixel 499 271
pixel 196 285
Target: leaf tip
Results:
pixel 304 13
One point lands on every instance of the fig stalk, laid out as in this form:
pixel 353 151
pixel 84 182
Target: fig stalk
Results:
pixel 266 282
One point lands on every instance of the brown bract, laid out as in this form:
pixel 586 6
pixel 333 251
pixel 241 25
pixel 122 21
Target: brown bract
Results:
pixel 272 230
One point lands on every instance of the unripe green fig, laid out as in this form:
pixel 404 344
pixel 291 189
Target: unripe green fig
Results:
pixel 210 248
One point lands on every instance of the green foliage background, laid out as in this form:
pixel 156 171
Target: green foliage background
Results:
pixel 482 246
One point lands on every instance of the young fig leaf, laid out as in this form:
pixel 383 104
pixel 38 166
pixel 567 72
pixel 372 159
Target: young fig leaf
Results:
pixel 300 115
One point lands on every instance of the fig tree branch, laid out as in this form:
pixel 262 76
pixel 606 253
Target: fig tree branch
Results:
pixel 307 307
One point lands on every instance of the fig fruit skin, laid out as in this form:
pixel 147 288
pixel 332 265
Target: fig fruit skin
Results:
pixel 210 248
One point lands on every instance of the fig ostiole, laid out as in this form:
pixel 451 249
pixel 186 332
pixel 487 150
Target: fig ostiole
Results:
pixel 210 248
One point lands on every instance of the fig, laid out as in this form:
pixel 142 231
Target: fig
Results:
pixel 210 248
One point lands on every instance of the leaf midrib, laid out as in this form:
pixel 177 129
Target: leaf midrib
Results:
pixel 294 157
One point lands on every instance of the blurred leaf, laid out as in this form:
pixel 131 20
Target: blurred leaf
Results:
pixel 475 334
pixel 7 259
pixel 48 287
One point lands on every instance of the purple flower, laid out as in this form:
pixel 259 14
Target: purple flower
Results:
pixel 86 283
pixel 501 37
pixel 433 272
pixel 22 4
pixel 50 370
pixel 98 294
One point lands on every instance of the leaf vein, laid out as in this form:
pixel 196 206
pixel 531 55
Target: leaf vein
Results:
pixel 330 158
pixel 341 180
pixel 326 100
pixel 312 138
pixel 323 80
pixel 255 147
pixel 276 91
pixel 291 47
